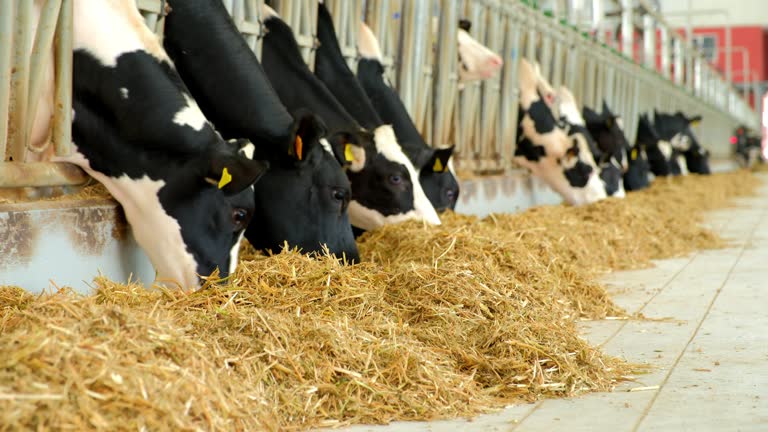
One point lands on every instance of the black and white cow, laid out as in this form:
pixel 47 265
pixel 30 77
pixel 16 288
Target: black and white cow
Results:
pixel 676 128
pixel 581 170
pixel 649 155
pixel 612 146
pixel 303 198
pixel 433 165
pixel 332 69
pixel 377 182
pixel 545 148
pixel 185 191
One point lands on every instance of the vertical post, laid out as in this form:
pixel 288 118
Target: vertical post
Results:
pixel 665 53
pixel 627 29
pixel 20 79
pixel 444 74
pixel 62 112
pixel 6 48
pixel 729 51
pixel 678 47
pixel 649 42
pixel 39 60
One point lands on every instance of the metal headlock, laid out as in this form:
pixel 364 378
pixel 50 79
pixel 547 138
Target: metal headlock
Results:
pixel 419 44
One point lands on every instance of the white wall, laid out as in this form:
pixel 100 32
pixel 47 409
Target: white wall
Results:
pixel 743 12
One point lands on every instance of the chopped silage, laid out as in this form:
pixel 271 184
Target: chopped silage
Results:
pixel 438 322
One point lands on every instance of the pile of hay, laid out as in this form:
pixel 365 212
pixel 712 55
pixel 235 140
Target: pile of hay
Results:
pixel 441 321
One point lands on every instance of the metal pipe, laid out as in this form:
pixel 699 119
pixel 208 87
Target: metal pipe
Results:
pixel 649 42
pixel 20 80
pixel 39 60
pixel 6 48
pixel 627 29
pixel 62 111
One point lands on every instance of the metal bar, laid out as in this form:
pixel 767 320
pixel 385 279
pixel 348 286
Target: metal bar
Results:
pixel 6 48
pixel 445 81
pixel 40 174
pixel 40 58
pixel 649 42
pixel 20 80
pixel 62 112
pixel 627 29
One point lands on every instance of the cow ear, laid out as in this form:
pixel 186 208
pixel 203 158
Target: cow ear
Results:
pixel 465 24
pixel 606 109
pixel 233 173
pixel 438 162
pixel 308 130
pixel 348 151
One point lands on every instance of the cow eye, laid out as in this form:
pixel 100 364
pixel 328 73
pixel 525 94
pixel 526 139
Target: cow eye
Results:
pixel 396 179
pixel 239 218
pixel 339 194
pixel 450 194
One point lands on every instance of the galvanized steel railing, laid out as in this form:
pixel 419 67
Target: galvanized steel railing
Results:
pixel 421 62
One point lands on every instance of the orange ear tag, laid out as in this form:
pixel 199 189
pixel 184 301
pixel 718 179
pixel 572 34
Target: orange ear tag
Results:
pixel 299 147
pixel 225 179
pixel 348 155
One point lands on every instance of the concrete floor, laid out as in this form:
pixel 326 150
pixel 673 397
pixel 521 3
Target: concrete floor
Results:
pixel 710 353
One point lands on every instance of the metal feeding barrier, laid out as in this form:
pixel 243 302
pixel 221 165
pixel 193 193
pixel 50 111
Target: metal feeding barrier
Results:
pixel 634 73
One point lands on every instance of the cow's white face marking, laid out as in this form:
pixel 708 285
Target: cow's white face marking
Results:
pixel 248 150
pixel 683 165
pixel 124 92
pixel 681 142
pixel 326 146
pixel 158 233
pixel 620 123
pixel 479 62
pixel 367 43
pixel 552 174
pixel 118 18
pixel 234 254
pixel 666 149
pixel 368 219
pixel 190 115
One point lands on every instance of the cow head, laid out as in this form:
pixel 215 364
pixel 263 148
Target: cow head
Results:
pixel 676 128
pixel 187 213
pixel 606 128
pixel 433 165
pixel 476 61
pixel 303 200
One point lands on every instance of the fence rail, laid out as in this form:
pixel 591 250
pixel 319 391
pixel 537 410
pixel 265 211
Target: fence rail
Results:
pixel 633 75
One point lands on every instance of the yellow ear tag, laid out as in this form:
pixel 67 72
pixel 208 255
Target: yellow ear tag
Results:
pixel 438 166
pixel 348 155
pixel 299 147
pixel 634 153
pixel 694 123
pixel 225 178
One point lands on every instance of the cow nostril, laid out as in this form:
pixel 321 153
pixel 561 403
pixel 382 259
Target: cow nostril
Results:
pixel 495 61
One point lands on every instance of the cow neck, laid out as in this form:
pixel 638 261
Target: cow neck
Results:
pixel 224 75
pixel 294 82
pixel 388 105
pixel 145 121
pixel 332 69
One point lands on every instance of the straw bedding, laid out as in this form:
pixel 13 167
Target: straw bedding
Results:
pixel 442 321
